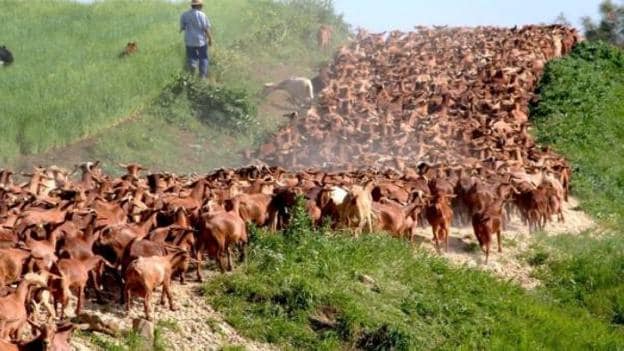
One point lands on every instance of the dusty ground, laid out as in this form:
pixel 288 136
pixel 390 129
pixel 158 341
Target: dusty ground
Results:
pixel 194 326
pixel 463 249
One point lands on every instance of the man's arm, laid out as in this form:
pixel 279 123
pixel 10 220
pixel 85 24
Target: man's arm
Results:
pixel 208 31
pixel 182 25
pixel 209 36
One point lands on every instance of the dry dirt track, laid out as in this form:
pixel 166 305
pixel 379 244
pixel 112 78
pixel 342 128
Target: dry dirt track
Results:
pixel 194 326
pixel 516 241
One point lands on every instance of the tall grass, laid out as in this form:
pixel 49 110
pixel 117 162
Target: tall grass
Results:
pixel 67 81
pixel 586 272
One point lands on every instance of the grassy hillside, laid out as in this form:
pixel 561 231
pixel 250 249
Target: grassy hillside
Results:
pixel 581 114
pixel 413 302
pixel 68 83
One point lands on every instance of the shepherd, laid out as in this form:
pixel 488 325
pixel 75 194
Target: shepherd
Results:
pixel 197 37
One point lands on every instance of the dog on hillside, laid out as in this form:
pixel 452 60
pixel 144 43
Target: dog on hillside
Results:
pixel 130 49
pixel 6 57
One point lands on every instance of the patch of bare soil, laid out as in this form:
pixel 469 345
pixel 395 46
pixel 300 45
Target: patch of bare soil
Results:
pixel 509 265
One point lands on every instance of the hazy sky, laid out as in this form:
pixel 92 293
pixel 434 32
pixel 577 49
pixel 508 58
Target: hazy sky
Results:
pixel 382 15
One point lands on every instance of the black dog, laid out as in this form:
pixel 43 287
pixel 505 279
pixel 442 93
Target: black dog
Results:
pixel 6 57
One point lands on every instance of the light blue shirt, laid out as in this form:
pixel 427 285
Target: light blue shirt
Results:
pixel 194 23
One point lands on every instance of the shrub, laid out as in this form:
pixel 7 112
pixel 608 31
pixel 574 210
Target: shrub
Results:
pixel 219 106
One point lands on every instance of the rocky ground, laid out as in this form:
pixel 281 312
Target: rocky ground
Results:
pixel 194 326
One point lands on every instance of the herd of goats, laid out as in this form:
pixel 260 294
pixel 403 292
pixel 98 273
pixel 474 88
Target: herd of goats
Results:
pixel 409 129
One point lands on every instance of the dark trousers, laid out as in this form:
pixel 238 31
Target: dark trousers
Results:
pixel 195 55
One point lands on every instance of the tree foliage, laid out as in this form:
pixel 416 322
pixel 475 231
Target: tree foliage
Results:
pixel 610 27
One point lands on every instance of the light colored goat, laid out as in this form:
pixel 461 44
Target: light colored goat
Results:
pixel 299 89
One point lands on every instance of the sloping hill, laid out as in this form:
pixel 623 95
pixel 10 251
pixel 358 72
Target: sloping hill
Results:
pixel 67 82
pixel 580 114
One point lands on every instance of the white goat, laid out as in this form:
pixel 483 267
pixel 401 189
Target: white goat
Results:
pixel 299 88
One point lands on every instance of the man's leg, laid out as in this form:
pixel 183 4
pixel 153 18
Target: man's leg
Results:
pixel 192 56
pixel 203 61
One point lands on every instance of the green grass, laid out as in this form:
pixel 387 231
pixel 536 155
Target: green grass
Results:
pixel 67 82
pixel 584 272
pixel 416 301
pixel 581 114
pixel 129 342
pixel 376 293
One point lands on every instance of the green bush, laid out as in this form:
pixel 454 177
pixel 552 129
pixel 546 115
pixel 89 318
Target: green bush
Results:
pixel 216 105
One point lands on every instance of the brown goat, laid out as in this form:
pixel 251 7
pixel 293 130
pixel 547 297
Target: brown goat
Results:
pixel 439 214
pixel 324 36
pixel 74 275
pixel 218 232
pixel 13 310
pixel 145 274
pixel 485 223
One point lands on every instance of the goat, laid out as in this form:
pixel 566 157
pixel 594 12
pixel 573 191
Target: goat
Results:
pixel 487 222
pixel 146 274
pixel 299 89
pixel 324 36
pixel 13 309
pixel 439 214
pixel 74 275
pixel 218 232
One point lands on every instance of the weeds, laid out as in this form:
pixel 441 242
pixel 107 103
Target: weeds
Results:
pixel 588 273
pixel 219 106
pixel 302 291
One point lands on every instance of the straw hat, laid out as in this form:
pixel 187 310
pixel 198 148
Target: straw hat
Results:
pixel 197 2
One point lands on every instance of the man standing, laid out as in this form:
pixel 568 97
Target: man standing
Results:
pixel 197 37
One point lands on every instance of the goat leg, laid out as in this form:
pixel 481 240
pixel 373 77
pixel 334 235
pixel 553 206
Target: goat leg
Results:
pixel 126 293
pixel 243 253
pixel 229 259
pixel 167 290
pixel 435 237
pixel 147 305
pixel 222 258
pixel 199 261
pixel 81 297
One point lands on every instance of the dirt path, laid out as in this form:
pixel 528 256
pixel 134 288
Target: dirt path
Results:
pixel 516 242
pixel 194 326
